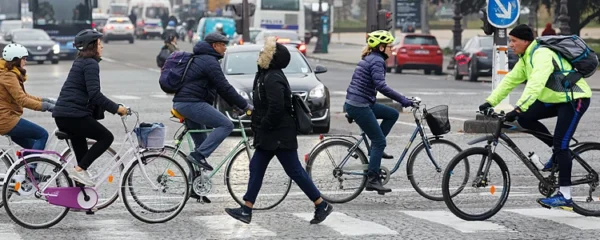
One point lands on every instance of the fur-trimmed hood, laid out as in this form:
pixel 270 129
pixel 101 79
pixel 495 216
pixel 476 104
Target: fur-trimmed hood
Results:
pixel 273 55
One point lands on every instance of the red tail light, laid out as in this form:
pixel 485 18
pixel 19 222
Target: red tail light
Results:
pixel 129 27
pixel 403 50
pixel 302 47
pixel 480 54
pixel 93 25
pixel 109 27
pixel 439 52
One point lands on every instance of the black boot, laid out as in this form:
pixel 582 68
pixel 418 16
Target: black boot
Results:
pixel 243 213
pixel 386 156
pixel 374 184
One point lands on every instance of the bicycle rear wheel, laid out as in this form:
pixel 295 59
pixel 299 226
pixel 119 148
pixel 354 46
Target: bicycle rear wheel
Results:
pixel 35 212
pixel 5 164
pixel 151 206
pixel 275 187
pixel 586 166
pixel 323 168
pixel 424 177
pixel 477 190
pixel 109 191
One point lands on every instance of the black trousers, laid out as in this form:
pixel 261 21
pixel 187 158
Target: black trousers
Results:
pixel 80 129
pixel 568 116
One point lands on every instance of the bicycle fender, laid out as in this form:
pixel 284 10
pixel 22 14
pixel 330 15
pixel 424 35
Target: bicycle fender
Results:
pixel 481 139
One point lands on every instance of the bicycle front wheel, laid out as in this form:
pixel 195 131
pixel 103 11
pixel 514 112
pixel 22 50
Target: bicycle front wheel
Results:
pixel 24 203
pixel 484 182
pixel 422 173
pixel 338 184
pixel 275 187
pixel 156 190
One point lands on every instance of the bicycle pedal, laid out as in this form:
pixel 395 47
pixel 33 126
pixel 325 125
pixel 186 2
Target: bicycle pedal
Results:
pixel 90 212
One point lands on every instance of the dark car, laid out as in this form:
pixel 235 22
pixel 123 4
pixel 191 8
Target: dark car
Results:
pixel 40 46
pixel 239 66
pixel 286 37
pixel 475 59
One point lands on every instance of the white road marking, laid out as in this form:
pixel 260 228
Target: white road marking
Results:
pixel 340 93
pixel 161 96
pixel 448 219
pixel 350 226
pixel 7 231
pixel 108 59
pixel 561 216
pixel 458 119
pixel 114 229
pixel 126 97
pixel 154 70
pixel 224 225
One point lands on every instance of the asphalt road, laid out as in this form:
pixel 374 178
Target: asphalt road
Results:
pixel 129 75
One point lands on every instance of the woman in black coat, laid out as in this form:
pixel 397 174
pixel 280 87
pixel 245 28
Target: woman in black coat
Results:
pixel 275 132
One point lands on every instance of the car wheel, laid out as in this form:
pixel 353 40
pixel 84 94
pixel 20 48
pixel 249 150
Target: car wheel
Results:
pixel 54 61
pixel 473 71
pixel 105 40
pixel 457 75
pixel 427 71
pixel 40 62
pixel 398 69
pixel 324 129
pixel 438 71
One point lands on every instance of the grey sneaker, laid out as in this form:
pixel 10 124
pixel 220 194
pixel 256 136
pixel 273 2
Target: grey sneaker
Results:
pixel 82 177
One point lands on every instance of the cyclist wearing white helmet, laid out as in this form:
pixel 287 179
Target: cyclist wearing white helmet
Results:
pixel 219 29
pixel 81 103
pixel 368 79
pixel 13 98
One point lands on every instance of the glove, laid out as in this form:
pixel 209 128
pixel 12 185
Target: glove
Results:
pixel 249 107
pixel 48 100
pixel 484 106
pixel 46 106
pixel 512 115
pixel 405 102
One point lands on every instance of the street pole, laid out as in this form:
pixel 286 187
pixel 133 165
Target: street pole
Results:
pixel 457 32
pixel 245 21
pixel 532 17
pixel 500 68
pixel 393 9
pixel 424 17
pixel 565 29
pixel 319 45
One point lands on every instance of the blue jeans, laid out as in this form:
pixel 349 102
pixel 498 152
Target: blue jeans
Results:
pixel 290 163
pixel 199 115
pixel 366 118
pixel 29 135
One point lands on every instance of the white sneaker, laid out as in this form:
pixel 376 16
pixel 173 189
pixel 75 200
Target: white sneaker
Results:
pixel 82 177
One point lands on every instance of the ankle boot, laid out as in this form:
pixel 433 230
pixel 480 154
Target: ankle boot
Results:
pixel 374 184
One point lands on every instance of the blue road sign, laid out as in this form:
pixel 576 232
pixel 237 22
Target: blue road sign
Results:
pixel 503 13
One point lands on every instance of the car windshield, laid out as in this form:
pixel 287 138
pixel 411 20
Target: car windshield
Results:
pixel 420 40
pixel 237 63
pixel 156 12
pixel 30 35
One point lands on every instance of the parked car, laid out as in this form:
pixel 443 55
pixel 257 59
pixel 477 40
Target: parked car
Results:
pixel 476 58
pixel 303 80
pixel 238 40
pixel 40 46
pixel 119 28
pixel 99 21
pixel 416 51
pixel 286 37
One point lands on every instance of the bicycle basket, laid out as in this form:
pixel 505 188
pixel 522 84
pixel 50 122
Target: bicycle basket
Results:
pixel 151 135
pixel 437 120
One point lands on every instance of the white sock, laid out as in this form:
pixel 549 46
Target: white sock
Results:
pixel 566 191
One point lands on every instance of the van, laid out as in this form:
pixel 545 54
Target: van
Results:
pixel 149 13
pixel 208 24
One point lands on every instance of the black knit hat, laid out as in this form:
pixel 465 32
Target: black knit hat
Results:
pixel 523 32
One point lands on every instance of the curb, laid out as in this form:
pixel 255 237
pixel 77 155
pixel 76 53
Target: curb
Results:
pixel 330 60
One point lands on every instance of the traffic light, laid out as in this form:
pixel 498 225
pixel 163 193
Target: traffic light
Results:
pixel 237 9
pixel 488 29
pixel 239 26
pixel 384 20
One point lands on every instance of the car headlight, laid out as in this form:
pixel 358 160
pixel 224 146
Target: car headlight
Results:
pixel 318 91
pixel 243 94
pixel 56 49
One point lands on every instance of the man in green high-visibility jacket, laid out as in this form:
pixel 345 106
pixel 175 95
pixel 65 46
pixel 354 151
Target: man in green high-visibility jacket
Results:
pixel 544 97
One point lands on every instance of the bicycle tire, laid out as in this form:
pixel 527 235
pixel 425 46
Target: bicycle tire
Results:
pixel 581 149
pixel 5 189
pixel 446 191
pixel 239 200
pixel 127 176
pixel 7 161
pixel 411 161
pixel 188 165
pixel 361 156
pixel 115 195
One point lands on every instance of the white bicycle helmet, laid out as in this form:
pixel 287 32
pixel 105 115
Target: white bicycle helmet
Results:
pixel 14 51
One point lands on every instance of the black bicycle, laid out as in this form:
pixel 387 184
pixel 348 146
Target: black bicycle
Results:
pixel 486 183
pixel 347 173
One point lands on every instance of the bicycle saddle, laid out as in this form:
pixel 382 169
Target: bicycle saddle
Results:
pixel 176 114
pixel 62 135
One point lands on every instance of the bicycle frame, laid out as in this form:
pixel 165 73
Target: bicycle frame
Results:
pixel 186 134
pixel 418 130
pixel 492 142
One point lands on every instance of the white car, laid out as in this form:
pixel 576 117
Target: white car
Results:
pixel 118 28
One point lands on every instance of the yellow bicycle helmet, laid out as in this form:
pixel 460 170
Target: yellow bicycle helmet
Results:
pixel 379 36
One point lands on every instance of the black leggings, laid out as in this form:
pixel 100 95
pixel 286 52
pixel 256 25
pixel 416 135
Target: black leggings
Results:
pixel 568 116
pixel 80 129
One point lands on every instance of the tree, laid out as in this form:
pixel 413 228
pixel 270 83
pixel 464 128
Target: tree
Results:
pixel 581 12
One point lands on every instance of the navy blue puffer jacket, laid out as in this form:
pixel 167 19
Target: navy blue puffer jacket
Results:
pixel 205 79
pixel 368 78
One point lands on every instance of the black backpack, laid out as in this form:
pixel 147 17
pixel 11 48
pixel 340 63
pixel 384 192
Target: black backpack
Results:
pixel 162 56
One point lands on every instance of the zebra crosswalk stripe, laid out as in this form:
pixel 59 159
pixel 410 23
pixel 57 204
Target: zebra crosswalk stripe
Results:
pixel 224 225
pixel 448 219
pixel 561 216
pixel 349 226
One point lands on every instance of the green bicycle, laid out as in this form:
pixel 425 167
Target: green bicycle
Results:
pixel 237 171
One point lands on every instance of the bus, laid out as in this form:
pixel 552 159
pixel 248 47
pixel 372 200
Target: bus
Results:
pixel 62 20
pixel 278 14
